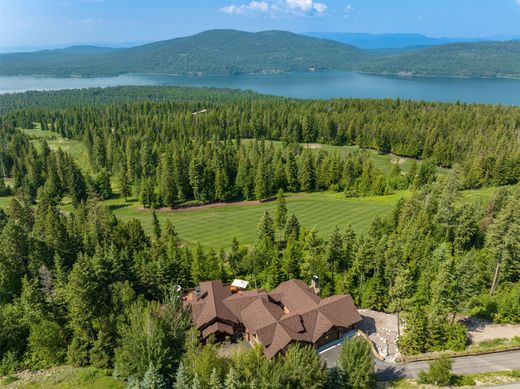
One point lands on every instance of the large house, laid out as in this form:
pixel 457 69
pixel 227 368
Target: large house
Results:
pixel 291 313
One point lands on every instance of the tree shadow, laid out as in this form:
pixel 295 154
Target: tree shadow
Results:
pixel 388 372
pixel 114 207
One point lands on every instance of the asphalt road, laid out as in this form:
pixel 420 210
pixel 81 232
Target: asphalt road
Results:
pixel 507 360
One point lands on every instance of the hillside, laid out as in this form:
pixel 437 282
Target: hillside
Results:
pixel 237 52
pixel 213 52
pixel 387 41
pixel 482 59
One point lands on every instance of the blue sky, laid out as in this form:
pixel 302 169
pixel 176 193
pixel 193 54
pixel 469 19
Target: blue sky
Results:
pixel 55 22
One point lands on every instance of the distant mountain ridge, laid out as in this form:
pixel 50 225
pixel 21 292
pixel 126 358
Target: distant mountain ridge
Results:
pixel 210 52
pixel 238 52
pixel 400 40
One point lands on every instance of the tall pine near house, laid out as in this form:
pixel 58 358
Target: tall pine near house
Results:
pixel 356 364
pixel 281 213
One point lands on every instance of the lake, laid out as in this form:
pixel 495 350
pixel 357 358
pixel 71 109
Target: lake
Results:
pixel 303 85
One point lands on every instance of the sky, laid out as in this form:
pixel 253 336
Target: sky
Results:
pixel 45 23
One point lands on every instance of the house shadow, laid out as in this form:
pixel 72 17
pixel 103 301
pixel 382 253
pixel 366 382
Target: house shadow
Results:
pixel 367 325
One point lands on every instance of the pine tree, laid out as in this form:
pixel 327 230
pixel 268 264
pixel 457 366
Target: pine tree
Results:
pixel 293 227
pixel 153 379
pixel 335 254
pixel 232 381
pixel 156 225
pixel 292 257
pixel 356 364
pixel 266 229
pixel 214 380
pixel 261 182
pixel 291 173
pixel 166 181
pixel 281 213
pixel 182 379
pixel 125 185
pixel 196 382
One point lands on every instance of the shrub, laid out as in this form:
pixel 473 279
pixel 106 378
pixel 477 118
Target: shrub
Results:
pixel 47 343
pixel 439 372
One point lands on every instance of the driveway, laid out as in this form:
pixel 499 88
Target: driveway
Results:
pixel 508 360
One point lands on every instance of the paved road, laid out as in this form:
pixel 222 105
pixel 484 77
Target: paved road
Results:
pixel 508 360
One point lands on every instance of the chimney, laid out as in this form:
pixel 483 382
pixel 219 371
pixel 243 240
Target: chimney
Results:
pixel 197 293
pixel 315 280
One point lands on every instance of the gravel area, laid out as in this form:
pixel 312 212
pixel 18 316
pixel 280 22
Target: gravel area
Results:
pixel 382 329
pixel 481 330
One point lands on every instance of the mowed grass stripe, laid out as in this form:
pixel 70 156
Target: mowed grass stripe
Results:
pixel 216 227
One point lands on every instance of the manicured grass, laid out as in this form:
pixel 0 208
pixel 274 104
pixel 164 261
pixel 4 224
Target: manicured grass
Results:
pixel 216 227
pixel 76 149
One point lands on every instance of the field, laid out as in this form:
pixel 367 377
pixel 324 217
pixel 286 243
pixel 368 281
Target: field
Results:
pixel 76 149
pixel 216 226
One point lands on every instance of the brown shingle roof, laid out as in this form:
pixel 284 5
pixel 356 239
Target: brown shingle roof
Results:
pixel 306 317
pixel 217 327
pixel 295 294
pixel 210 306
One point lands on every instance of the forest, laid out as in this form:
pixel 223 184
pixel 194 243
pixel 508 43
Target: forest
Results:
pixel 231 52
pixel 86 289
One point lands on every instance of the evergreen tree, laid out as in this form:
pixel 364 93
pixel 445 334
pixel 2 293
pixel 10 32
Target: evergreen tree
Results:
pixel 214 380
pixel 356 364
pixel 232 381
pixel 125 185
pixel 293 227
pixel 153 379
pixel 281 212
pixel 156 225
pixel 182 379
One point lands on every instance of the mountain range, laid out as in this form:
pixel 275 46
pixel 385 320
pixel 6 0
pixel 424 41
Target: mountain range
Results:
pixel 237 52
pixel 401 40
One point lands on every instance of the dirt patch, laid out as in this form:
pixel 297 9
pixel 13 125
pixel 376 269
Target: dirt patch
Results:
pixel 481 330
pixel 204 206
pixel 312 146
pixel 397 161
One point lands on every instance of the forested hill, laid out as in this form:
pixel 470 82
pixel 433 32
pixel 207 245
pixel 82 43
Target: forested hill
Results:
pixel 235 52
pixel 482 59
pixel 213 52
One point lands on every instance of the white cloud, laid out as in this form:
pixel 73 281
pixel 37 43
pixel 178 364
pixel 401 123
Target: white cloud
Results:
pixel 277 8
pixel 320 7
pixel 243 9
pixel 300 5
pixel 348 8
pixel 518 2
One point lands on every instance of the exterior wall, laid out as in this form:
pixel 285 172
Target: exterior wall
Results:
pixel 335 333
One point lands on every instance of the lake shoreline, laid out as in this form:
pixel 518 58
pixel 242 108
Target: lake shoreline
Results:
pixel 301 85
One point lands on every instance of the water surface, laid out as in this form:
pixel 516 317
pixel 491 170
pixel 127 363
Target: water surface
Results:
pixel 303 85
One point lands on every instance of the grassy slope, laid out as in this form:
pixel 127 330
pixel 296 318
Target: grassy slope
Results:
pixel 76 149
pixel 64 377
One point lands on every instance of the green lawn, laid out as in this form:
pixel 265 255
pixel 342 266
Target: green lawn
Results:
pixel 216 227
pixel 76 149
